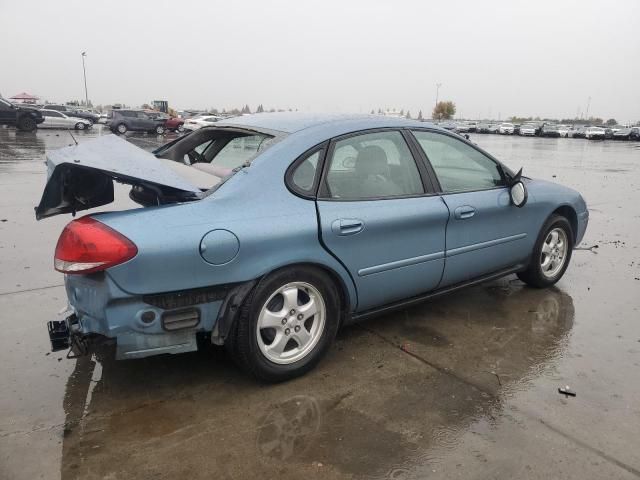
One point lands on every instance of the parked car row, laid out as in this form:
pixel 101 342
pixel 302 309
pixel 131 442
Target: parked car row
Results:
pixel 125 120
pixel 545 129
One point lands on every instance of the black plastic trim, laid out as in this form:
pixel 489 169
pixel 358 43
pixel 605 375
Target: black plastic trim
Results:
pixel 230 308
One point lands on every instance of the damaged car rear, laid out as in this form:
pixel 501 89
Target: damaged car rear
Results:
pixel 265 233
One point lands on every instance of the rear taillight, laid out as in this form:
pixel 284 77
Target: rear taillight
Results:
pixel 86 245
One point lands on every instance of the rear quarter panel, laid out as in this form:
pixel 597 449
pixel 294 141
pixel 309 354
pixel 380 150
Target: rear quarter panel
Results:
pixel 274 227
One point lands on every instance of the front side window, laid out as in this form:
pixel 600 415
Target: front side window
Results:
pixel 458 166
pixel 52 113
pixel 372 166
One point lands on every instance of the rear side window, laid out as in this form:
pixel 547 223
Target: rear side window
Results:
pixel 458 166
pixel 304 175
pixel 372 166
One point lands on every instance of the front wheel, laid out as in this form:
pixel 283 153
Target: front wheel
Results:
pixel 287 324
pixel 121 129
pixel 27 124
pixel 551 254
pixel 79 126
pixel 180 128
pixel 160 130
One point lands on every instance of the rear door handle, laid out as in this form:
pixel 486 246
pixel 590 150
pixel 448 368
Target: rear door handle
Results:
pixel 464 212
pixel 347 226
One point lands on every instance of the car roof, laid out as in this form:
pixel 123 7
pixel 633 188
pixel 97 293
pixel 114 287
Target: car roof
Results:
pixel 291 122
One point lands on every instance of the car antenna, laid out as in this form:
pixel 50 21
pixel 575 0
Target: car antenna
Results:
pixel 74 138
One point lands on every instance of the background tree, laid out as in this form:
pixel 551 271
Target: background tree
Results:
pixel 408 116
pixel 373 112
pixel 379 111
pixel 402 112
pixel 444 111
pixel 612 121
pixel 420 115
pixel 260 109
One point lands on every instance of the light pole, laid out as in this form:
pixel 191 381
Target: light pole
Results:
pixel 586 115
pixel 438 85
pixel 84 70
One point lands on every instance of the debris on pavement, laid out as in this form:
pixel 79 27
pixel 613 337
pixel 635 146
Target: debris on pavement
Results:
pixel 566 391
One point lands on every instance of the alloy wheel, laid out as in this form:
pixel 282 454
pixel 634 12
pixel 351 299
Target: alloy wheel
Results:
pixel 291 323
pixel 554 252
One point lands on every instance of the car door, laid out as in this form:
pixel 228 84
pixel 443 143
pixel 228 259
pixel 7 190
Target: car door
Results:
pixel 145 122
pixel 65 121
pixel 485 232
pixel 51 119
pixel 7 112
pixel 378 215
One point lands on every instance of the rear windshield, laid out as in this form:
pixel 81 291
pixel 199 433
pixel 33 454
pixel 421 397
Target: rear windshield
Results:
pixel 218 151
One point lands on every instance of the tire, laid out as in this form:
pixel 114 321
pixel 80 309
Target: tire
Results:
pixel 121 129
pixel 79 126
pixel 159 130
pixel 180 128
pixel 252 334
pixel 537 275
pixel 27 124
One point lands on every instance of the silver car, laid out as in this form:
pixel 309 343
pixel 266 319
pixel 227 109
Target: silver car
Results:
pixel 55 119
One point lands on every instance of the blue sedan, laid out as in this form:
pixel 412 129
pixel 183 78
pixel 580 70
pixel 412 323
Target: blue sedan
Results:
pixel 268 232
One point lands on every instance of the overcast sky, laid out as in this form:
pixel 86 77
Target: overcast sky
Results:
pixel 539 57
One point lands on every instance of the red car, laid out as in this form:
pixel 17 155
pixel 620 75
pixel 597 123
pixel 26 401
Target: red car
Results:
pixel 175 123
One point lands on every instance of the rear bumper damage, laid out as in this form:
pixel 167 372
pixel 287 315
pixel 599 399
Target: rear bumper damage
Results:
pixel 143 325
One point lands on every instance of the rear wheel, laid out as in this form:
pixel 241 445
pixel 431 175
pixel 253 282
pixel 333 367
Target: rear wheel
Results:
pixel 287 324
pixel 180 128
pixel 79 126
pixel 160 129
pixel 551 254
pixel 121 128
pixel 27 124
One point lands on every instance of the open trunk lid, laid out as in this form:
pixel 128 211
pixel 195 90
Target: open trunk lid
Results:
pixel 81 177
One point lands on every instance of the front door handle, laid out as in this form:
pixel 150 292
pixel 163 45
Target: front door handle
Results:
pixel 347 226
pixel 464 212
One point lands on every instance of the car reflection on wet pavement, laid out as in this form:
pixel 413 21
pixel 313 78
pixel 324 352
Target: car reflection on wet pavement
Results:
pixel 460 387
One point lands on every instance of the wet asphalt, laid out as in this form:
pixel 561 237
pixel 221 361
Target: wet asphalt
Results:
pixel 465 386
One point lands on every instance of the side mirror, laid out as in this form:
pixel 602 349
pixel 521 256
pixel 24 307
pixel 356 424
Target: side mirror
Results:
pixel 518 191
pixel 519 194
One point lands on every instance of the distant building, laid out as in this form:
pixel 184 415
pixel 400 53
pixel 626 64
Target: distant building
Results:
pixel 25 98
pixel 393 113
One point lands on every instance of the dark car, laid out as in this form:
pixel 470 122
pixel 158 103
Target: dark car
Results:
pixel 483 128
pixel 122 121
pixel 73 112
pixel 23 118
pixel 632 133
pixel 550 130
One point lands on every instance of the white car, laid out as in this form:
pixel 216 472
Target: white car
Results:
pixel 199 121
pixel 594 133
pixel 506 129
pixel 528 130
pixel 563 130
pixel 55 119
